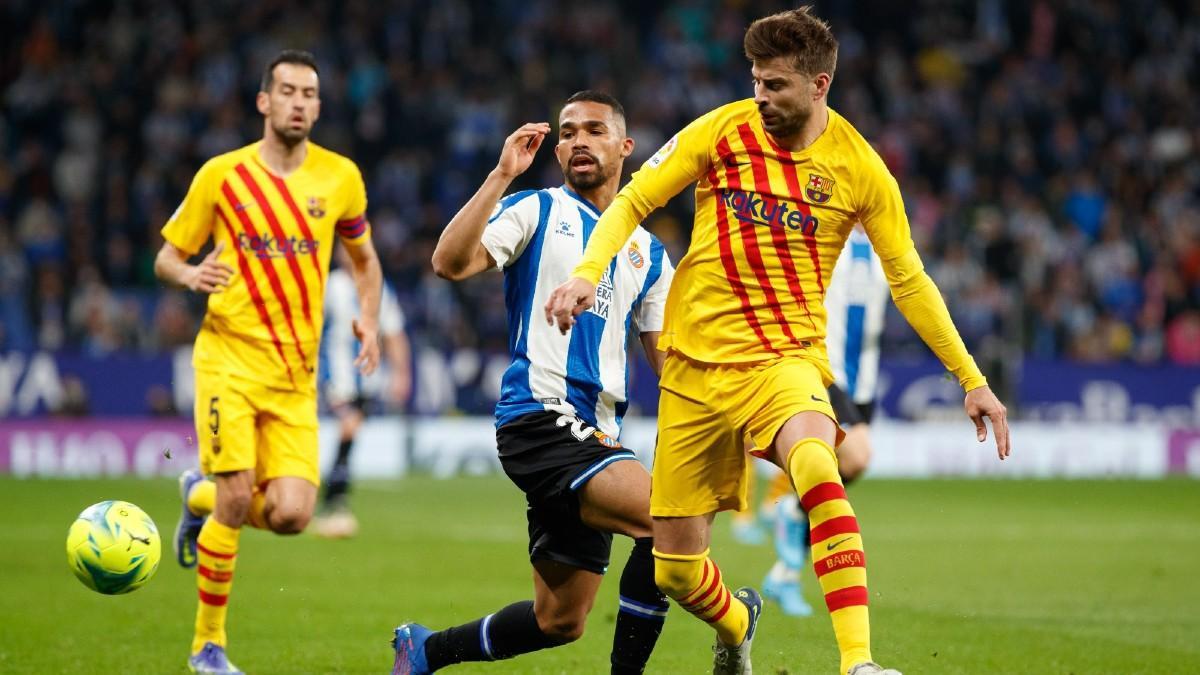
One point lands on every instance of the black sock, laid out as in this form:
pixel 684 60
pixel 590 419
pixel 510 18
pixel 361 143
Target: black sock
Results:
pixel 338 482
pixel 505 634
pixel 643 608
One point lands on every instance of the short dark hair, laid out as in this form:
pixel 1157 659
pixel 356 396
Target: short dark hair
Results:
pixel 598 97
pixel 296 56
pixel 797 34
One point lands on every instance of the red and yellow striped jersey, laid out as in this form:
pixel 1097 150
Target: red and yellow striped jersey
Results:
pixel 278 235
pixel 769 227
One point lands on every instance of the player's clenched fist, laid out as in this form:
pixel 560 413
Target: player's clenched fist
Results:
pixel 520 147
pixel 569 301
pixel 211 275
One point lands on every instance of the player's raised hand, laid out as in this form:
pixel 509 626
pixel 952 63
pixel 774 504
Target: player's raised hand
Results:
pixel 211 275
pixel 569 301
pixel 520 147
pixel 981 403
pixel 368 336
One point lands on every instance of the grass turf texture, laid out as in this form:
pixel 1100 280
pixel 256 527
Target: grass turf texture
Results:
pixel 965 577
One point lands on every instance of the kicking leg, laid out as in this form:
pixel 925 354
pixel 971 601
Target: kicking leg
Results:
pixel 618 500
pixel 684 572
pixel 804 448
pixel 563 596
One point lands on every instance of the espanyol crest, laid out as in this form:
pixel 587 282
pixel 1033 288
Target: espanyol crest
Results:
pixel 636 257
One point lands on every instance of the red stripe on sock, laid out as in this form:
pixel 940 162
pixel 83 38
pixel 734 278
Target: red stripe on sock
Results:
pixel 724 609
pixel 206 551
pixel 711 591
pixel 839 561
pixel 846 597
pixel 214 575
pixel 833 527
pixel 722 595
pixel 213 599
pixel 821 493
pixel 690 598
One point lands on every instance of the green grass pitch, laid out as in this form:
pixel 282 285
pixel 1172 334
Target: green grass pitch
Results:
pixel 965 577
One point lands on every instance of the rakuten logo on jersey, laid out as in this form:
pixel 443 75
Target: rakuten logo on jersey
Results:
pixel 751 207
pixel 273 247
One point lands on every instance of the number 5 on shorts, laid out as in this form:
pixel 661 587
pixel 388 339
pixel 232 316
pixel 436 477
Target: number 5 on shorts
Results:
pixel 214 423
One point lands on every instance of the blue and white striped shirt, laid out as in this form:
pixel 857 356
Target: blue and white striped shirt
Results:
pixel 537 237
pixel 855 303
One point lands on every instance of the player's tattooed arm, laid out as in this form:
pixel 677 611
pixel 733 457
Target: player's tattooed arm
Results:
pixel 460 252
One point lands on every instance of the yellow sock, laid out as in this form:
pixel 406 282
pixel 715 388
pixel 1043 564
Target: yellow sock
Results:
pixel 217 552
pixel 837 548
pixel 257 516
pixel 694 582
pixel 202 498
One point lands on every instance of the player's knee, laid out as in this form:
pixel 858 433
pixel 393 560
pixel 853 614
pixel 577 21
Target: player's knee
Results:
pixel 288 520
pixel 811 456
pixel 676 578
pixel 852 466
pixel 854 455
pixel 562 627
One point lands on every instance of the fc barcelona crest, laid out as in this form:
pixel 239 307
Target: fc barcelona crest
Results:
pixel 316 207
pixel 819 188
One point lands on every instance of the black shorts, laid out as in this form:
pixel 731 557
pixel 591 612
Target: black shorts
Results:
pixel 550 457
pixel 848 412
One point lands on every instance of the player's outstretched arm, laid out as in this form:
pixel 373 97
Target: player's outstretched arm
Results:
pixel 368 279
pixel 209 276
pixel 460 252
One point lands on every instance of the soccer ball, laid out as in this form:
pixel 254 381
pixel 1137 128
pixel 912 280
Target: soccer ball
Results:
pixel 113 547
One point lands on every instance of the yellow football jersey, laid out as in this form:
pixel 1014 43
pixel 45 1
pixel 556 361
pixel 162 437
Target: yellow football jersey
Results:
pixel 768 230
pixel 278 235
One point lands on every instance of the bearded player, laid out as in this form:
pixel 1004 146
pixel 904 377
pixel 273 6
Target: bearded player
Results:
pixel 780 181
pixel 272 210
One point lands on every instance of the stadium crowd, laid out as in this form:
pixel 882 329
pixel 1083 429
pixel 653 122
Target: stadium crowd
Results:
pixel 1047 150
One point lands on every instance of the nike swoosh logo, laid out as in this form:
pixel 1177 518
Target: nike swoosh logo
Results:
pixel 814 397
pixel 733 163
pixel 830 547
pixel 243 207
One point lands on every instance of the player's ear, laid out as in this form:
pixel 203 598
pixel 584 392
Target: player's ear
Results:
pixel 821 85
pixel 627 147
pixel 263 102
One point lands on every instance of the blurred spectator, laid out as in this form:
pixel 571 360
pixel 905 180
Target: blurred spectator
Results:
pixel 1047 151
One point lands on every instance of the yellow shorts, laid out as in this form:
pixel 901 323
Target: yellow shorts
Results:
pixel 242 425
pixel 706 411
